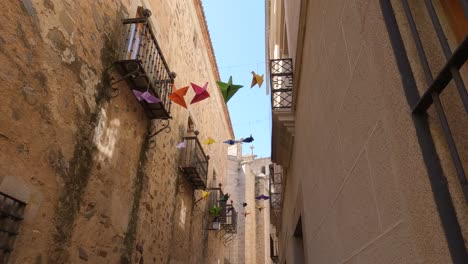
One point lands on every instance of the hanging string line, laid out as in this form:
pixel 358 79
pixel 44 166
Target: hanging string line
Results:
pixel 241 65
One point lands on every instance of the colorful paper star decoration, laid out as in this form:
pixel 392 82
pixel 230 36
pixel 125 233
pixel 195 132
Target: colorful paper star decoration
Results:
pixel 228 89
pixel 177 95
pixel 200 93
pixel 205 194
pixel 262 197
pixel 230 142
pixel 256 79
pixel 147 96
pixel 209 141
pixel 248 140
pixel 182 144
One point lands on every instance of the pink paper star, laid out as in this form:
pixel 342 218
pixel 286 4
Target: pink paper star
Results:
pixel 200 93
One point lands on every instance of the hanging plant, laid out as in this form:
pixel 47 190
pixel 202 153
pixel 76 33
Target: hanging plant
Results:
pixel 215 211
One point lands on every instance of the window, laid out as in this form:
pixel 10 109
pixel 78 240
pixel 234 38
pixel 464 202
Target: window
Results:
pixel 190 126
pixel 298 243
pixel 213 182
pixel 11 215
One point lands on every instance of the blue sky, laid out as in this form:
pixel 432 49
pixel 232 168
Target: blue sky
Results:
pixel 237 30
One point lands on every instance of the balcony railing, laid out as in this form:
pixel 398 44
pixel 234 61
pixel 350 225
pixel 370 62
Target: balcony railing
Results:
pixel 276 194
pixel 228 214
pixel 11 216
pixel 143 65
pixel 281 82
pixel 194 162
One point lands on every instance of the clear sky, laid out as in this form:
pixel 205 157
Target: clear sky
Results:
pixel 237 30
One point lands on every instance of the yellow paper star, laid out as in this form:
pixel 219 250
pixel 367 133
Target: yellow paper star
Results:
pixel 256 79
pixel 209 141
pixel 205 194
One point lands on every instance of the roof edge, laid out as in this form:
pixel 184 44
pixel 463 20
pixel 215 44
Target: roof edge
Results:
pixel 206 36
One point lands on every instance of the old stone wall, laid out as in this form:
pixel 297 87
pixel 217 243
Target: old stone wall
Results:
pixel 79 159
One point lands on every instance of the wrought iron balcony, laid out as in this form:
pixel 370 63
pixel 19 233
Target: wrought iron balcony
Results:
pixel 281 82
pixel 143 65
pixel 276 194
pixel 11 217
pixel 228 214
pixel 194 162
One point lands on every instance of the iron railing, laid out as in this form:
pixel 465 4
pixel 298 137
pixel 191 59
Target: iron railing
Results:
pixel 281 82
pixel 143 65
pixel 11 215
pixel 449 72
pixel 228 214
pixel 420 104
pixel 194 162
pixel 276 193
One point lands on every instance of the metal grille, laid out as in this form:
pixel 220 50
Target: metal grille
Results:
pixel 228 215
pixel 430 98
pixel 436 86
pixel 276 193
pixel 194 163
pixel 142 62
pixel 281 78
pixel 11 215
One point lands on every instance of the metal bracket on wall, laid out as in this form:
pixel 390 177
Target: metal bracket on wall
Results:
pixel 180 185
pixel 195 205
pixel 112 92
pixel 165 123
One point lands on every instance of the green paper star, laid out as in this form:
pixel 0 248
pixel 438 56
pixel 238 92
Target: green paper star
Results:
pixel 228 89
pixel 225 197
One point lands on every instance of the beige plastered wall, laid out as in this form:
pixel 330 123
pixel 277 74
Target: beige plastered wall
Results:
pixel 365 196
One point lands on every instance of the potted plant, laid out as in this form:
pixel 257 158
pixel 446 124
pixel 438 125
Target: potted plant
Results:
pixel 215 211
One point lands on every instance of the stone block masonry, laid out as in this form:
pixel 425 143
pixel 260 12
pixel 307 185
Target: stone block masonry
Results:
pixel 95 192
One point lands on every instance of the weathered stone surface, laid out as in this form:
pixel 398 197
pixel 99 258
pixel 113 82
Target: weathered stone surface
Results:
pixel 82 254
pixel 29 95
pixel 38 259
pixel 139 248
pixel 102 253
pixel 79 150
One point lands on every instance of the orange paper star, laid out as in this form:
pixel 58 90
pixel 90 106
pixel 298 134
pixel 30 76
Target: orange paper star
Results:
pixel 177 95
